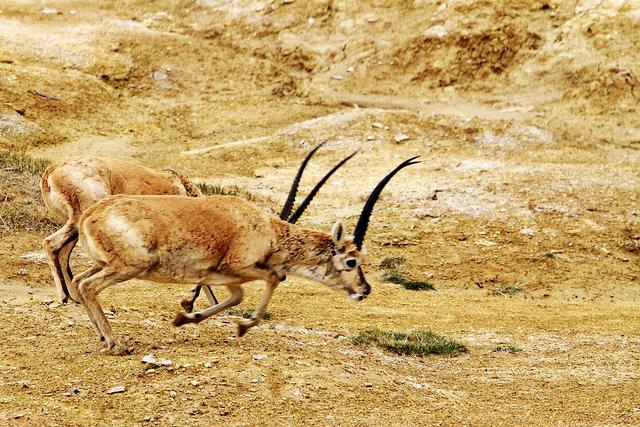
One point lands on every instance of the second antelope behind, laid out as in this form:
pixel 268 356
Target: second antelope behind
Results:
pixel 216 240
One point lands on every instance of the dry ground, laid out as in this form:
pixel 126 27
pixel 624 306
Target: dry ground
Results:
pixel 525 115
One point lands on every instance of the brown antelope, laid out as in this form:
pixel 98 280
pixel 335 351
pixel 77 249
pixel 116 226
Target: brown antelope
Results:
pixel 285 213
pixel 217 240
pixel 71 186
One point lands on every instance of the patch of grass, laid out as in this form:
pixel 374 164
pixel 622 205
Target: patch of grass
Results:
pixel 507 349
pixel 394 276
pixel 507 290
pixel 245 313
pixel 21 163
pixel 392 262
pixel 219 190
pixel 412 343
pixel 21 206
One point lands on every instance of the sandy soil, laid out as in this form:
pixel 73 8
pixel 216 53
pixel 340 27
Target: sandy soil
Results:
pixel 526 118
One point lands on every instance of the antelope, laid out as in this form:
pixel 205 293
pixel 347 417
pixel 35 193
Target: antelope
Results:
pixel 285 213
pixel 216 240
pixel 71 186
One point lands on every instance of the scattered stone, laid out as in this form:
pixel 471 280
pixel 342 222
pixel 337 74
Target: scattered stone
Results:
pixel 207 364
pixel 47 301
pixel 150 371
pixel 337 77
pixel 54 305
pixel 370 137
pixel 195 383
pixel 401 137
pixel 368 384
pixel 377 125
pixel 350 70
pixel 146 323
pixel 528 232
pixel 117 389
pixel 149 358
pixel 259 379
pixel 173 393
pixel 297 393
pixel 49 11
pixel 160 75
pixel 37 257
pixel 72 391
pixel 437 31
pixel 259 356
pixel 23 272
pixel 149 419
pixel 19 415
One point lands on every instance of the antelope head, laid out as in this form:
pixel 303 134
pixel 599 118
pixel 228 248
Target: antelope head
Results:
pixel 341 270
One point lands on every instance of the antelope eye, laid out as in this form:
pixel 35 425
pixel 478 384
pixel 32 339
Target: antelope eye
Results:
pixel 351 263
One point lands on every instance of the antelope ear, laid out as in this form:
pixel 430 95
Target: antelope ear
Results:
pixel 337 234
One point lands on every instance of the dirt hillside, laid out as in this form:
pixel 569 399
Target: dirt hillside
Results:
pixel 524 213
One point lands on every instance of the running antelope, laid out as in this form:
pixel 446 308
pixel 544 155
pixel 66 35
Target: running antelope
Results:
pixel 285 214
pixel 217 240
pixel 71 186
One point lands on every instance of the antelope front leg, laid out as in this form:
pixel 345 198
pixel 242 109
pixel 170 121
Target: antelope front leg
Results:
pixel 245 324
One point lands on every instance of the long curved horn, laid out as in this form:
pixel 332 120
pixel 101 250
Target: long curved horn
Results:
pixel 305 203
pixel 363 221
pixel 291 198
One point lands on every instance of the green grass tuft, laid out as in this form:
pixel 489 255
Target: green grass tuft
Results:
pixel 22 163
pixel 392 262
pixel 218 190
pixel 394 276
pixel 507 349
pixel 245 313
pixel 412 343
pixel 507 290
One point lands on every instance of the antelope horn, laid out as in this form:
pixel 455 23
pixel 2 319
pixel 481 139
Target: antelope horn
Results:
pixel 291 198
pixel 363 221
pixel 305 203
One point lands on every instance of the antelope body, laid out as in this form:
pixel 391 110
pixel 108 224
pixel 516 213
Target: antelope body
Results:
pixel 71 186
pixel 217 240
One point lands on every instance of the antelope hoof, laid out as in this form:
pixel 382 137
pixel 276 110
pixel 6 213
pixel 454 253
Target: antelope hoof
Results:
pixel 187 305
pixel 181 319
pixel 243 327
pixel 119 350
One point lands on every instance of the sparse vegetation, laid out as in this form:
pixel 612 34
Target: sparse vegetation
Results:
pixel 245 313
pixel 21 207
pixel 22 163
pixel 218 190
pixel 394 276
pixel 412 343
pixel 507 349
pixel 393 262
pixel 507 290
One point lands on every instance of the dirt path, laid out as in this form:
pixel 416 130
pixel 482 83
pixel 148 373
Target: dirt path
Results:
pixel 525 117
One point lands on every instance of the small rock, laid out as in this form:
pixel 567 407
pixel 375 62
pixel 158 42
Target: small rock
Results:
pixel 528 232
pixel 149 419
pixel 117 389
pixel 297 393
pixel 259 356
pixel 36 257
pixel 160 75
pixel 49 11
pixel 260 379
pixel 377 125
pixel 207 364
pixel 401 137
pixel 19 415
pixel 370 137
pixel 149 358
pixel 23 272
pixel 287 1
pixel 173 393
pixel 350 70
pixel 150 371
pixel 195 383
pixel 70 323
pixel 54 305
pixel 368 385
pixel 165 362
pixel 47 301
pixel 337 77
